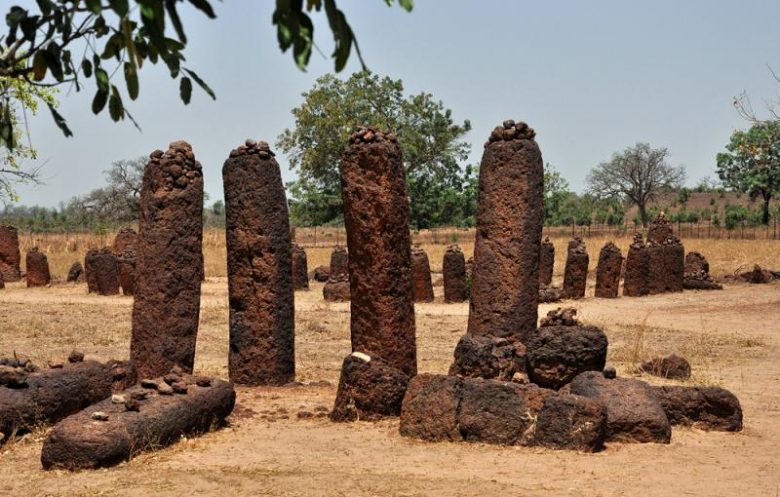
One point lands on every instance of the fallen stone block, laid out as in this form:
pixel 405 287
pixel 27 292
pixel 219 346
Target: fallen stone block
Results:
pixel 430 408
pixel 706 408
pixel 369 389
pixel 571 422
pixel 488 357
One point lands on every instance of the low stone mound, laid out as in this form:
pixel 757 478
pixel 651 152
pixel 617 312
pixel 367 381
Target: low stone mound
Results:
pixel 562 316
pixel 75 273
pixel 154 414
pixel 488 357
pixel 634 413
pixel 557 354
pixel 336 289
pixel 369 389
pixel 320 273
pixel 673 367
pixel 758 276
pixel 549 294
pixel 705 408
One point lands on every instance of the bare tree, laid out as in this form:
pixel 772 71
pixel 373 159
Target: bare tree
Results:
pixel 744 106
pixel 639 173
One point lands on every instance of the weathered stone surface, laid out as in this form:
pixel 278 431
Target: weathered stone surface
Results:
pixel 454 272
pixel 571 422
pixel 430 408
pixel 2 281
pixel 672 367
pixel 758 276
pixel 697 273
pixel 548 294
pixel 10 256
pixel 76 273
pixel 696 262
pixel 562 316
pixel 497 412
pixel 127 429
pixel 546 262
pixel 488 357
pixel 556 354
pixel 262 321
pixel 339 261
pixel 126 265
pixel 505 283
pixel 705 408
pixel 103 271
pixel 373 189
pixel 125 239
pixel 656 279
pixel 575 274
pixel 422 286
pixel 608 271
pixel 169 263
pixel 369 389
pixel 321 273
pixel 674 264
pixel 660 228
pixel 300 269
pixel 37 268
pixel 48 395
pixel 336 289
pixel 634 413
pixel 637 272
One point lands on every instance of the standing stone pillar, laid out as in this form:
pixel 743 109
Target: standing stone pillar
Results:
pixel 575 275
pixel 125 244
pixel 339 262
pixel 674 264
pixel 10 256
pixel 37 268
pixel 380 274
pixel 608 271
pixel 125 239
pixel 454 272
pixel 546 262
pixel 103 275
pixel 422 286
pixel 260 287
pixel 166 307
pixel 637 269
pixel 656 277
pixel 300 269
pixel 505 284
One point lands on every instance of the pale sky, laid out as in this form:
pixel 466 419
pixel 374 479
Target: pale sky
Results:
pixel 592 77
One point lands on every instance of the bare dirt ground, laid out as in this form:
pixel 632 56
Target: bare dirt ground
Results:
pixel 732 339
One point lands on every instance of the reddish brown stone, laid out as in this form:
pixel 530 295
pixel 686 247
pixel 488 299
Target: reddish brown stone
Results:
pixel 674 264
pixel 454 273
pixel 505 284
pixel 89 273
pixel 656 279
pixel 321 274
pixel 126 264
pixel 37 268
pixel 608 271
pixel 635 283
pixel 10 256
pixel 375 202
pixel 575 275
pixel 103 271
pixel 697 273
pixel 422 285
pixel 339 261
pixel 556 354
pixel 369 389
pixel 548 294
pixel 300 269
pixel 705 408
pixel 262 321
pixel 571 422
pixel 488 357
pixel 695 262
pixel 2 281
pixel 76 273
pixel 562 316
pixel 758 276
pixel 169 261
pixel 546 262
pixel 108 433
pixel 430 408
pixel 336 289
pixel 660 228
pixel 125 239
pixel 673 366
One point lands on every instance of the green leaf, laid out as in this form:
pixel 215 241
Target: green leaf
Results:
pixel 115 107
pixel 60 121
pixel 121 7
pixel 94 6
pixel 99 102
pixel 205 7
pixel 201 83
pixel 101 76
pixel 185 89
pixel 131 79
pixel 39 66
pixel 170 6
pixel 407 5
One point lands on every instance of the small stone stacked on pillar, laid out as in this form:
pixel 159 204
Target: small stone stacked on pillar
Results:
pixel 166 307
pixel 37 268
pixel 422 286
pixel 10 256
pixel 637 269
pixel 262 323
pixel 505 284
pixel 575 276
pixel 608 271
pixel 546 262
pixel 454 271
pixel 375 201
pixel 339 261
pixel 660 228
pixel 103 271
pixel 300 269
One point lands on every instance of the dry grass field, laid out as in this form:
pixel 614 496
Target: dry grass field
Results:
pixel 731 337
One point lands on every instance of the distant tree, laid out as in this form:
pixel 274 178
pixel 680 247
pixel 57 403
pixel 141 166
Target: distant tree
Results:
pixel 432 143
pixel 119 201
pixel 639 174
pixel 752 163
pixel 556 191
